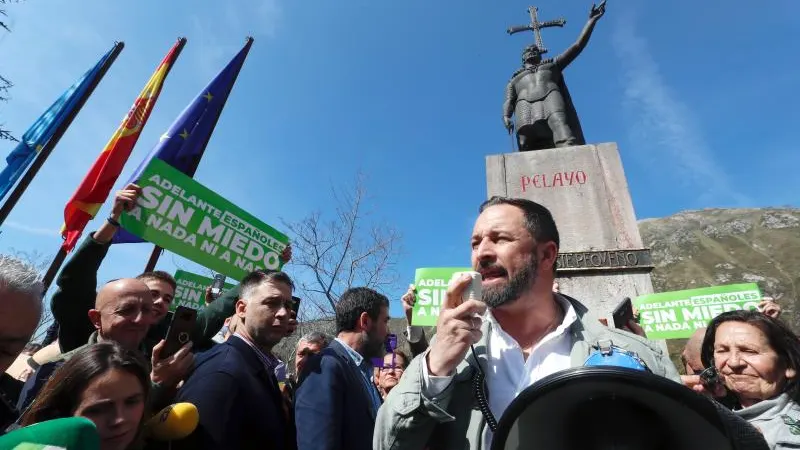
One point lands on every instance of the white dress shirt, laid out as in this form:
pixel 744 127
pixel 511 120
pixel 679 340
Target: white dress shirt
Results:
pixel 508 372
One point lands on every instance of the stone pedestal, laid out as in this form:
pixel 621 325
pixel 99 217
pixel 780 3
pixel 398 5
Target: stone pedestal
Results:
pixel 602 259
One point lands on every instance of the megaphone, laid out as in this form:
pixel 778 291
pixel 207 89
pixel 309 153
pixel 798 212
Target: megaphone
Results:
pixel 609 408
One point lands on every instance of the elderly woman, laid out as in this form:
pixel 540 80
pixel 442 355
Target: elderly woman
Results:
pixel 757 359
pixel 388 375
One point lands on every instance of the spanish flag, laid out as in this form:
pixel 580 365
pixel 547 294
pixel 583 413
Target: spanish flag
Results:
pixel 94 189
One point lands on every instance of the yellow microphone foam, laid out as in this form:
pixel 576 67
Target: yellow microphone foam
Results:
pixel 174 422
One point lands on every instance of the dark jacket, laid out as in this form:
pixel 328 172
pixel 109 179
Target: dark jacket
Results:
pixel 39 378
pixel 333 410
pixel 419 347
pixel 9 392
pixel 77 289
pixel 159 396
pixel 240 404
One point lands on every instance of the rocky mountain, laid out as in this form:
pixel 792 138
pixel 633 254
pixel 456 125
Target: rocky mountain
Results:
pixel 704 248
pixel 721 246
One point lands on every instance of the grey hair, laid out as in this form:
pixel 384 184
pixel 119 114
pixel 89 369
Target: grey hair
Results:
pixel 20 277
pixel 315 337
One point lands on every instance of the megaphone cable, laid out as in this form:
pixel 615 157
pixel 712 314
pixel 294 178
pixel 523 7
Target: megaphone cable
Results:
pixel 479 389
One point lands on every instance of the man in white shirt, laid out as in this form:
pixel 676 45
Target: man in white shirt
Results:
pixel 521 332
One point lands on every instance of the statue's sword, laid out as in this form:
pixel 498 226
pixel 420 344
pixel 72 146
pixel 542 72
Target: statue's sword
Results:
pixel 537 27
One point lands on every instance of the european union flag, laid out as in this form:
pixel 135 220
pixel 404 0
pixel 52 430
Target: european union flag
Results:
pixel 183 144
pixel 45 126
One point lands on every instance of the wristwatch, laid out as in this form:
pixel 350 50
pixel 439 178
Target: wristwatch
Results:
pixel 112 221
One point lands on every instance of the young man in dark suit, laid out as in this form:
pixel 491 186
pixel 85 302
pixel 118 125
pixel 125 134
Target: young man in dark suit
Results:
pixel 234 385
pixel 337 401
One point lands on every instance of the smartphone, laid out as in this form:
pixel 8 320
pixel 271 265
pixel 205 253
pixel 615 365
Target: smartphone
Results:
pixel 296 304
pixel 219 283
pixel 623 313
pixel 180 330
pixel 391 343
pixel 709 378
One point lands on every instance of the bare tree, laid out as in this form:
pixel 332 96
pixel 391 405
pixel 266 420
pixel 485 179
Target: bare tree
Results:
pixel 5 84
pixel 41 262
pixel 3 24
pixel 334 254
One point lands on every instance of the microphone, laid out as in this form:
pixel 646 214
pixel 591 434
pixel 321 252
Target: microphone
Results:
pixel 70 433
pixel 173 422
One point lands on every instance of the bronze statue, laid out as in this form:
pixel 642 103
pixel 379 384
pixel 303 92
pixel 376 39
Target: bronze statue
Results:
pixel 537 94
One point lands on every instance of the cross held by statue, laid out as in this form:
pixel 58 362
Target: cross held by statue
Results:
pixel 537 27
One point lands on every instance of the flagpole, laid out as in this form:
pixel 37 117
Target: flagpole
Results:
pixel 50 275
pixel 44 153
pixel 58 260
pixel 151 263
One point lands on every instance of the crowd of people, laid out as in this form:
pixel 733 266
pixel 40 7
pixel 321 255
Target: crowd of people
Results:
pixel 105 359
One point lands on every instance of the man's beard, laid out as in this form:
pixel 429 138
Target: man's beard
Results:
pixel 496 296
pixel 373 347
pixel 263 338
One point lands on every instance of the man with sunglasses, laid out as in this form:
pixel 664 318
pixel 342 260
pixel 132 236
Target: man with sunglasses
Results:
pixel 310 344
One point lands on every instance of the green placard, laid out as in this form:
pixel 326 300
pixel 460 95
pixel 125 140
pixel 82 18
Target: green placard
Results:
pixel 431 286
pixel 181 215
pixel 677 314
pixel 191 290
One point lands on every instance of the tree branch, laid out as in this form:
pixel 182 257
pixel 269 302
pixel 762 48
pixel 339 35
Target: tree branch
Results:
pixel 349 250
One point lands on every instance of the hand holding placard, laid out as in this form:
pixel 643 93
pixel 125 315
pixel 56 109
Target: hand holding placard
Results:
pixel 183 216
pixel 125 199
pixel 408 300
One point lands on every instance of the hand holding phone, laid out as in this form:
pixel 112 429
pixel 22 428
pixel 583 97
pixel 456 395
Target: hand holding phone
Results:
pixel 219 283
pixel 296 304
pixel 623 313
pixel 180 330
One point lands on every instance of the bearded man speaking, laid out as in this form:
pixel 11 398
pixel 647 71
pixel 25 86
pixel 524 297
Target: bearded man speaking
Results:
pixel 521 332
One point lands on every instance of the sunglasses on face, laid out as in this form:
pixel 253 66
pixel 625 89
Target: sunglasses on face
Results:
pixel 307 352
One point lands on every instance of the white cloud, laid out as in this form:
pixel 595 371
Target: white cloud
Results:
pixel 28 229
pixel 664 129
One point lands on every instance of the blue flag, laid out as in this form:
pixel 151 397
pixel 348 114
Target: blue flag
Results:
pixel 45 126
pixel 183 144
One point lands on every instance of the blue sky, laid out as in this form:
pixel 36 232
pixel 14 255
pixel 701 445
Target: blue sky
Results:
pixel 699 97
